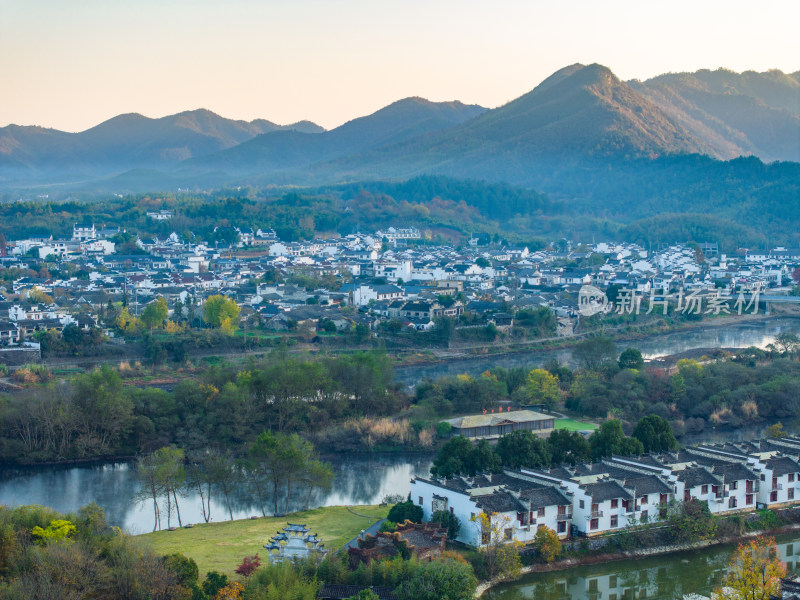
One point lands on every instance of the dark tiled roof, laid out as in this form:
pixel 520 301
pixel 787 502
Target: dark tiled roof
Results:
pixel 648 484
pixel 499 502
pixel 694 476
pixel 606 490
pixel 545 496
pixel 782 465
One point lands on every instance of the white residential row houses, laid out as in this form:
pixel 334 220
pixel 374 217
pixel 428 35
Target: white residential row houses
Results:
pixel 607 496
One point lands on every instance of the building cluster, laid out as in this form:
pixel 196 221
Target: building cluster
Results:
pixel 610 495
pixel 393 275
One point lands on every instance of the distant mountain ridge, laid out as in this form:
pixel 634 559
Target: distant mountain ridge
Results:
pixel 580 115
pixel 131 140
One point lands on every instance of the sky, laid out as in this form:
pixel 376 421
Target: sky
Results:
pixel 70 64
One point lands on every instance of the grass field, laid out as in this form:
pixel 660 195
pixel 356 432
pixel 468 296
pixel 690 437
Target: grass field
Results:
pixel 221 546
pixel 573 425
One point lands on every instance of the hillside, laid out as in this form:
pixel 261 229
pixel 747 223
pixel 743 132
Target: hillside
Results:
pixel 736 113
pixel 579 113
pixel 400 121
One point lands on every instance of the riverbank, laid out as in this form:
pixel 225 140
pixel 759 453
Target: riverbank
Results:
pixel 639 553
pixel 222 546
pixel 621 333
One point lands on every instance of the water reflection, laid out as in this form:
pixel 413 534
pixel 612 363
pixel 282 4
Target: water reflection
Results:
pixel 741 335
pixel 664 577
pixel 358 480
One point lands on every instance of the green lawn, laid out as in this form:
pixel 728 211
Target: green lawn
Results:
pixel 221 546
pixel 573 425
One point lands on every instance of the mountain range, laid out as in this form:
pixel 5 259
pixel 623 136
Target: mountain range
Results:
pixel 581 115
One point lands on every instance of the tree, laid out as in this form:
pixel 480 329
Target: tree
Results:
pixel 609 439
pixel 593 352
pixel 542 388
pixel 171 475
pixel 787 342
pixel 147 474
pixel 58 529
pixel 155 313
pixel 775 431
pixel 405 511
pixel 755 571
pixel 449 521
pixel 547 544
pixel 655 434
pixel 248 566
pixel 221 312
pixel 499 553
pixel 568 447
pixel 691 521
pixel 440 580
pixel 631 358
pixel 522 449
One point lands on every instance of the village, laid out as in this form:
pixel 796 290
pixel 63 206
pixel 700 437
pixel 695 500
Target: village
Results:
pixel 385 283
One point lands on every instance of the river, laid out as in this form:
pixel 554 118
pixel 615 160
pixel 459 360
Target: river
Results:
pixel 657 577
pixel 364 479
pixel 739 335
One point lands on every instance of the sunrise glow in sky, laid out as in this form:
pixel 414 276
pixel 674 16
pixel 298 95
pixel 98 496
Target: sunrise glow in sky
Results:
pixel 72 64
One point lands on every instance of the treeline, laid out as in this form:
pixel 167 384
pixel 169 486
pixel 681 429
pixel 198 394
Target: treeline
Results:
pixel 460 456
pixel 748 387
pixel 500 200
pixel 97 415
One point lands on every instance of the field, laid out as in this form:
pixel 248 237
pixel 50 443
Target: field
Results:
pixel 221 546
pixel 573 425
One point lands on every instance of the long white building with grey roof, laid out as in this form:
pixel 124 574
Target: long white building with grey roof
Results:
pixel 603 497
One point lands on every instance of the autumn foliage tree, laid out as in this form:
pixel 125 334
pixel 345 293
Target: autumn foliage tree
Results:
pixel 248 565
pixel 754 570
pixel 221 312
pixel 547 544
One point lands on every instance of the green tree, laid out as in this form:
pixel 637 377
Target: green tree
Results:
pixel 655 434
pixel 440 580
pixel 405 511
pixel 568 447
pixel 449 521
pixel 155 313
pixel 221 312
pixel 542 388
pixel 631 358
pixel 691 521
pixel 522 449
pixel 610 439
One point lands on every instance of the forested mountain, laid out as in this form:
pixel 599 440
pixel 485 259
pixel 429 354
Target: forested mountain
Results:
pixel 737 114
pixel 651 161
pixel 400 121
pixel 128 141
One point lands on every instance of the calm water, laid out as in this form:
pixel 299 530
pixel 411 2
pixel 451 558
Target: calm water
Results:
pixel 741 335
pixel 357 480
pixel 658 577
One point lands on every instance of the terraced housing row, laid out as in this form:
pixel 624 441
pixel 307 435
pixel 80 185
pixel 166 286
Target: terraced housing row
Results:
pixel 607 496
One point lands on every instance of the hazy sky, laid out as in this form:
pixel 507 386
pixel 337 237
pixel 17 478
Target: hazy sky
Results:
pixel 71 64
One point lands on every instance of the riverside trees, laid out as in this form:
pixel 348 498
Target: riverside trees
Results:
pixel 97 415
pixel 276 467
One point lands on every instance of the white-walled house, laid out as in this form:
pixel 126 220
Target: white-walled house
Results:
pixel 362 295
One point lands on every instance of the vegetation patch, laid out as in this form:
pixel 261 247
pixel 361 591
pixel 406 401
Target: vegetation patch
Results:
pixel 221 546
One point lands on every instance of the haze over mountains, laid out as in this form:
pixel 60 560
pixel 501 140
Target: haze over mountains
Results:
pixel 579 115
